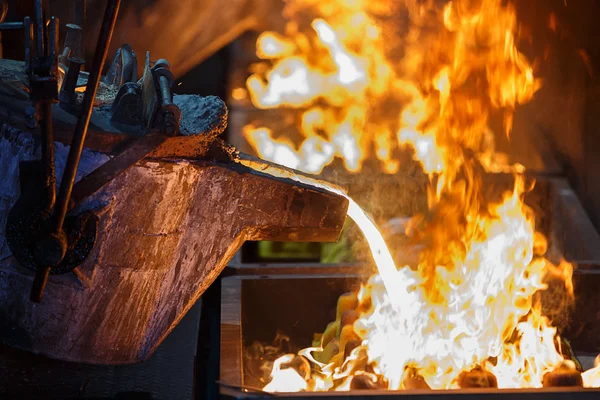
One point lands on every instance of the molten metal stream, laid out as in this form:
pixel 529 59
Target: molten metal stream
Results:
pixel 381 254
pixel 397 284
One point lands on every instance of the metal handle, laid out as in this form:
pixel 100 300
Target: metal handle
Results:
pixel 66 184
pixel 54 245
pixel 46 37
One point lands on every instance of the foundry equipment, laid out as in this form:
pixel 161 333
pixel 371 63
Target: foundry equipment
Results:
pixel 120 207
pixel 151 205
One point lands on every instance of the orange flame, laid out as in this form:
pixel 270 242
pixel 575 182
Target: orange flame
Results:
pixel 325 74
pixel 473 300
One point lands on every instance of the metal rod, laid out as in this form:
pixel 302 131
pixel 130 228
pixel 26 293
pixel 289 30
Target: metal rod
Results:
pixel 66 185
pixel 53 26
pixel 101 176
pixel 165 90
pixel 40 24
pixel 39 284
pixel 11 26
pixel 48 150
pixel 79 19
pixel 73 40
pixel 28 39
pixel 41 274
pixel 49 45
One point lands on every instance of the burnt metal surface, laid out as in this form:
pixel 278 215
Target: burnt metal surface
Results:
pixel 134 152
pixel 195 29
pixel 166 229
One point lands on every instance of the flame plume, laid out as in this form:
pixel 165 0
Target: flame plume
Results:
pixel 472 303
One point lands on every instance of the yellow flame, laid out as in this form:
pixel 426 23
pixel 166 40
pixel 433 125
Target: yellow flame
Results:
pixel 591 377
pixel 474 314
pixel 473 299
pixel 486 310
pixel 288 379
pixel 323 67
pixel 460 64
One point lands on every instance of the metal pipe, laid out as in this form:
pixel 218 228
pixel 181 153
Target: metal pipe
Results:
pixel 48 43
pixel 52 38
pixel 66 185
pixel 165 90
pixel 40 21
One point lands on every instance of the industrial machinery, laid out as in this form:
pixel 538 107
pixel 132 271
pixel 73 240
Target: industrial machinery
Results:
pixel 151 205
pixel 141 251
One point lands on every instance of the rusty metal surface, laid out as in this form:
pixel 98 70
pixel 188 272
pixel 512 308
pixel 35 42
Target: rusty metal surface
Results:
pixel 166 230
pixel 134 152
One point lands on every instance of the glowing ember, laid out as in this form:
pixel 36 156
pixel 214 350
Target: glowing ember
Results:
pixel 470 312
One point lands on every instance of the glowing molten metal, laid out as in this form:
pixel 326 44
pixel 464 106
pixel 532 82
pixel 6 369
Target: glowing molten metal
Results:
pixel 473 301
